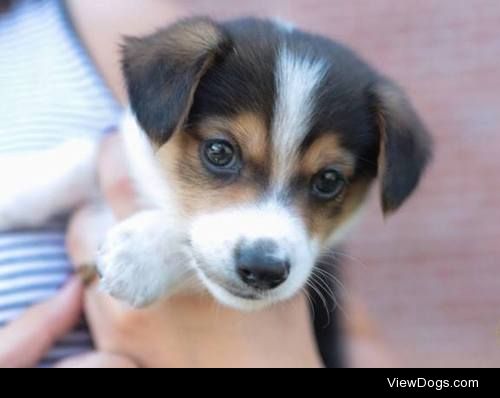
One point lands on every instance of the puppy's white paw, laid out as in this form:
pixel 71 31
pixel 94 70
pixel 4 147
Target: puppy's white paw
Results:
pixel 141 259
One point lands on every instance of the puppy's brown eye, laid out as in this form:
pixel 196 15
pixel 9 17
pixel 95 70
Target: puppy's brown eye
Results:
pixel 328 184
pixel 219 155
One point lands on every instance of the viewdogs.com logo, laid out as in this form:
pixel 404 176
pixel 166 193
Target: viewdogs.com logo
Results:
pixel 422 382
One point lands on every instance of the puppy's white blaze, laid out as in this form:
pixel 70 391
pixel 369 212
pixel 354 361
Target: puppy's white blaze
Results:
pixel 297 81
pixel 151 187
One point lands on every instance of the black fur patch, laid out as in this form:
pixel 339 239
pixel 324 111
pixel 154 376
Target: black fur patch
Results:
pixel 406 146
pixel 163 71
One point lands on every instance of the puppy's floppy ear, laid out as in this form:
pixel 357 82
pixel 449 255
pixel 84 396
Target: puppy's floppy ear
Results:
pixel 163 71
pixel 405 144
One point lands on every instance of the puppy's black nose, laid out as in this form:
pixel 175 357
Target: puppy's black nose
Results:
pixel 259 266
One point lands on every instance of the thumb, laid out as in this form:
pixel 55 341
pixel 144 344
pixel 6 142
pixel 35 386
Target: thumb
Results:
pixel 25 341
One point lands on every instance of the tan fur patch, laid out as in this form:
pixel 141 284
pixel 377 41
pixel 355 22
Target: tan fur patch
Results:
pixel 323 218
pixel 192 39
pixel 323 221
pixel 183 43
pixel 198 191
pixel 327 151
pixel 247 130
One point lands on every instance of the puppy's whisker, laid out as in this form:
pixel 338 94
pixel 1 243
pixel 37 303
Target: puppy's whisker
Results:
pixel 333 253
pixel 335 280
pixel 328 310
pixel 344 293
pixel 326 287
pixel 320 295
pixel 309 302
pixel 331 293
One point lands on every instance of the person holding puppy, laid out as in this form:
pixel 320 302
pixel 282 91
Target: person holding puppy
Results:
pixel 76 76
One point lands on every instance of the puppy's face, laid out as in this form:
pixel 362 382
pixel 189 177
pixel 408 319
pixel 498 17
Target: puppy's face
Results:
pixel 260 209
pixel 270 138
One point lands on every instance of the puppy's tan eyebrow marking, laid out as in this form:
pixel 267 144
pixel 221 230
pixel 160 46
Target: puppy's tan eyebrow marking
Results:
pixel 247 129
pixel 324 151
pixel 250 130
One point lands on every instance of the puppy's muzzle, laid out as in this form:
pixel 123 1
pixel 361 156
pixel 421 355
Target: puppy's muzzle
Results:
pixel 261 266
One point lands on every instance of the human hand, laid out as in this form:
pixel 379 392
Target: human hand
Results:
pixel 25 341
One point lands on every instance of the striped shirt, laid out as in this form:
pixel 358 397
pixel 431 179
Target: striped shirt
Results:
pixel 49 93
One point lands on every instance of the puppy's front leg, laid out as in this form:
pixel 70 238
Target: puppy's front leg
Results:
pixel 143 258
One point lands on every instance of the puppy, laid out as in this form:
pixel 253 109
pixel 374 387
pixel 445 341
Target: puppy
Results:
pixel 253 146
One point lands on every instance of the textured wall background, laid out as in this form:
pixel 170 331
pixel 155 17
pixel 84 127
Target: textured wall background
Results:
pixel 430 275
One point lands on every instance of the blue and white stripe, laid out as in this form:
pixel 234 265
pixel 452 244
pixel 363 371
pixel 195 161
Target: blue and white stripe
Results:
pixel 49 93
